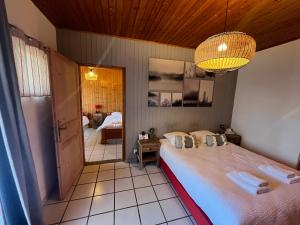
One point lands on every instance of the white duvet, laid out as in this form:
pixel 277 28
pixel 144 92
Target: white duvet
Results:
pixel 85 121
pixel 114 120
pixel 202 172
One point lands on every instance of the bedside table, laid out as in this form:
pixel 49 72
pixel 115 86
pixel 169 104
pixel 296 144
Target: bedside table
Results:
pixel 234 138
pixel 148 152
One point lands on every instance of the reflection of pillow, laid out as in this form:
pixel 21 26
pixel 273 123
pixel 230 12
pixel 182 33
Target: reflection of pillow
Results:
pixel 171 136
pixel 188 141
pixel 216 140
pixel 201 135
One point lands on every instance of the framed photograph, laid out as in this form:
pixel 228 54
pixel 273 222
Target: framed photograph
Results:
pixel 166 75
pixel 165 99
pixel 190 92
pixel 176 99
pixel 153 98
pixel 206 93
pixel 194 72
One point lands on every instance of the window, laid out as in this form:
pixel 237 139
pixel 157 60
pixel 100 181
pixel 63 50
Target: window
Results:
pixel 31 62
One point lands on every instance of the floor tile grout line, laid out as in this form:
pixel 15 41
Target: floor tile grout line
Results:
pixel 93 195
pixel 114 219
pixel 134 189
pixel 115 191
pixel 156 197
pixel 137 207
pixel 69 199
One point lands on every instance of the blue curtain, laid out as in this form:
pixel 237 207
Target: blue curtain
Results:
pixel 19 194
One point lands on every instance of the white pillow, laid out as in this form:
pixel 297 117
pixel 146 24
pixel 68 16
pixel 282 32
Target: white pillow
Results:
pixel 201 135
pixel 171 136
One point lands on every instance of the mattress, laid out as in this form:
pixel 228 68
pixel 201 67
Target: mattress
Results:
pixel 202 172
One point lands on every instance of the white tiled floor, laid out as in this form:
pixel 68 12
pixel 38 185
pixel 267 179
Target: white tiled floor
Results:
pixel 118 194
pixel 95 151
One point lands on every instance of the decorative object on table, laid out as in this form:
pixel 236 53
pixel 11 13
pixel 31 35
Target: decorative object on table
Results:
pixel 148 152
pixel 222 128
pixel 234 138
pixel 165 75
pixel 226 51
pixel 153 98
pixel 143 136
pixel 190 92
pixel 165 99
pixel 206 93
pixel 152 134
pixel 98 108
pixel 176 99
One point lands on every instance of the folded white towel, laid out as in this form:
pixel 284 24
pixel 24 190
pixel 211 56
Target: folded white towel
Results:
pixel 285 176
pixel 251 179
pixel 235 177
pixel 281 172
pixel 293 180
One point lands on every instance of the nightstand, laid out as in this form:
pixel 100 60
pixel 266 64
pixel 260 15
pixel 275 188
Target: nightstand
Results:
pixel 234 138
pixel 148 152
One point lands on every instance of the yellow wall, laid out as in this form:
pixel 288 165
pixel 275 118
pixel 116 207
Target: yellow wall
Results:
pixel 106 91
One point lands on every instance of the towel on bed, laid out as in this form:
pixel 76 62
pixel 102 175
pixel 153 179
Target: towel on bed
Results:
pixel 280 174
pixel 236 178
pixel 254 180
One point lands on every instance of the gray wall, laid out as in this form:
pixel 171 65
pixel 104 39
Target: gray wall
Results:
pixel 88 48
pixel 267 103
pixel 38 117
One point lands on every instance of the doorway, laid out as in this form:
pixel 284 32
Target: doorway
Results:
pixel 103 110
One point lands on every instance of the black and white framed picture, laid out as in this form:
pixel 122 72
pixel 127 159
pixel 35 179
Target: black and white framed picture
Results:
pixel 176 99
pixel 206 93
pixel 194 72
pixel 166 75
pixel 165 99
pixel 153 98
pixel 190 92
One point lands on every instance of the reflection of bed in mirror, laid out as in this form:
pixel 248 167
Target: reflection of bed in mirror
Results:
pixel 111 128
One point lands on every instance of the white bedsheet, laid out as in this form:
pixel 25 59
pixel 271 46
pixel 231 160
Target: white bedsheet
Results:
pixel 115 120
pixel 85 121
pixel 202 172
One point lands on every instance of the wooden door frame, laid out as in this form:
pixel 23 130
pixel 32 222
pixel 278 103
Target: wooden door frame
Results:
pixel 123 69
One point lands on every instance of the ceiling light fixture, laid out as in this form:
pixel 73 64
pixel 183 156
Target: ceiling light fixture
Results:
pixel 91 75
pixel 226 51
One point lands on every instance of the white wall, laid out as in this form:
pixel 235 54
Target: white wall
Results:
pixel 267 103
pixel 26 16
pixel 39 123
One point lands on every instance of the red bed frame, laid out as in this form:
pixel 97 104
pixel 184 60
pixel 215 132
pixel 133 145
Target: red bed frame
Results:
pixel 200 217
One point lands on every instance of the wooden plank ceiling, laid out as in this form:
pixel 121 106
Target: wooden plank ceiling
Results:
pixel 179 22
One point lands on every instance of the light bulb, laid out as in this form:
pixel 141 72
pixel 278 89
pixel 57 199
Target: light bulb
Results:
pixel 222 47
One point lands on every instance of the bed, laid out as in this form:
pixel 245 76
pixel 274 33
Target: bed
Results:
pixel 216 200
pixel 85 121
pixel 111 128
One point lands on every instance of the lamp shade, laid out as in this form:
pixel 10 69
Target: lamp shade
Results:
pixel 223 52
pixel 91 75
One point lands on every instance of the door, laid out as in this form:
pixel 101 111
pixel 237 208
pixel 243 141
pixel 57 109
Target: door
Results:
pixel 65 86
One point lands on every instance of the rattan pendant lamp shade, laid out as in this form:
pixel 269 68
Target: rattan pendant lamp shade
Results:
pixel 226 51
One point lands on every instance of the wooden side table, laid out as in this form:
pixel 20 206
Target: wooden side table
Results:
pixel 148 152
pixel 234 138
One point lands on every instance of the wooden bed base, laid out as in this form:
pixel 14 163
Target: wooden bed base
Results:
pixel 200 217
pixel 110 133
